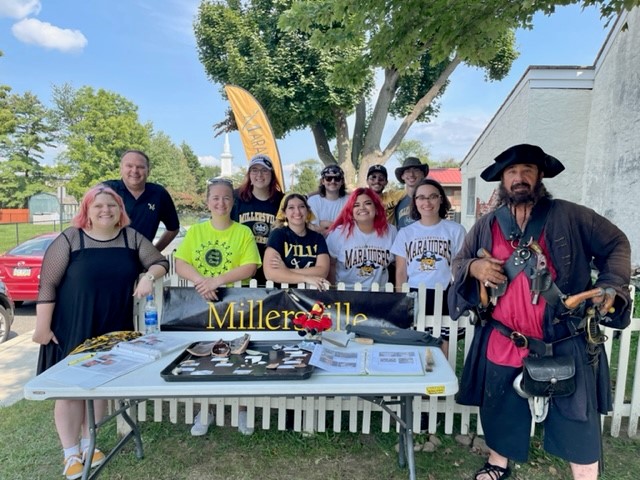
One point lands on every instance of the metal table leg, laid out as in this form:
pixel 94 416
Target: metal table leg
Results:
pixel 134 433
pixel 406 434
pixel 406 455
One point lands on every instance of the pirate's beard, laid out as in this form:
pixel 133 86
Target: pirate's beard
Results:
pixel 531 196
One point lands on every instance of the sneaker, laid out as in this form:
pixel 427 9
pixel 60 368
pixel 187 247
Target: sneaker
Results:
pixel 200 428
pixel 73 467
pixel 242 423
pixel 97 459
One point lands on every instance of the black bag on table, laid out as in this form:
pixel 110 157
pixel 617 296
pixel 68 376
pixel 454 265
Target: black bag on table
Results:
pixel 397 336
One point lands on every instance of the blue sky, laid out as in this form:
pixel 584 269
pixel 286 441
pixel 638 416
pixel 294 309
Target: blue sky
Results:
pixel 145 51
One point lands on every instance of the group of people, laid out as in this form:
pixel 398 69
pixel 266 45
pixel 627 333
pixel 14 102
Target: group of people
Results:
pixel 367 236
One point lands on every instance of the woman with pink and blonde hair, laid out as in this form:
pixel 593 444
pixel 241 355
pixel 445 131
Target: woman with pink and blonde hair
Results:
pixel 87 284
pixel 360 240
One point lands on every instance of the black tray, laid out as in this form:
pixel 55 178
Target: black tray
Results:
pixel 207 370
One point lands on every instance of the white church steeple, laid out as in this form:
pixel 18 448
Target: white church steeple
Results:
pixel 226 159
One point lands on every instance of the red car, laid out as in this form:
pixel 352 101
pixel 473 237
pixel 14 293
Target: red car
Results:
pixel 20 267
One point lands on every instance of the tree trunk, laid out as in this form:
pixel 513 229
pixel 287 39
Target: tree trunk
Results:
pixel 420 106
pixel 343 143
pixel 380 112
pixel 371 157
pixel 358 132
pixel 322 144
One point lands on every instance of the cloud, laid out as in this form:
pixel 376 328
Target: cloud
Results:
pixel 45 35
pixel 208 160
pixel 19 8
pixel 177 16
pixel 450 137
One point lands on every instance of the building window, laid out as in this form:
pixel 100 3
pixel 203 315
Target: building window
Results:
pixel 471 196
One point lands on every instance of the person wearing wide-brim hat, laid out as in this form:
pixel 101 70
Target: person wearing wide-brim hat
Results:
pixel 523 154
pixel 410 174
pixel 411 163
pixel 558 241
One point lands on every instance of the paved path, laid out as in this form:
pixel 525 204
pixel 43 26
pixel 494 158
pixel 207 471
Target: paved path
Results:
pixel 18 357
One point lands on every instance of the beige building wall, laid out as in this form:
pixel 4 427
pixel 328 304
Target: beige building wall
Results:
pixel 612 160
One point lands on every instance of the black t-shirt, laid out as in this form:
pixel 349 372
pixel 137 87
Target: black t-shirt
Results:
pixel 155 205
pixel 297 252
pixel 258 215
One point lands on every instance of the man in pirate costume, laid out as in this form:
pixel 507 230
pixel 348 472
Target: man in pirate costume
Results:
pixel 530 256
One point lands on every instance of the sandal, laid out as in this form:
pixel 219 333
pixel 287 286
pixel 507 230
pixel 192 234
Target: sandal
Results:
pixel 494 472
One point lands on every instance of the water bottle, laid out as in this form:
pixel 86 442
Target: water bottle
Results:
pixel 150 316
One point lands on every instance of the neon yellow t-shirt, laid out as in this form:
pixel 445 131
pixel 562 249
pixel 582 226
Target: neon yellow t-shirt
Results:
pixel 214 252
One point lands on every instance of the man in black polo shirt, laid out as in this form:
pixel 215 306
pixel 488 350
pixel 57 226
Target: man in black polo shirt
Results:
pixel 147 203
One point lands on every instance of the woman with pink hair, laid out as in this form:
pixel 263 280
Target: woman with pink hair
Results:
pixel 360 241
pixel 87 284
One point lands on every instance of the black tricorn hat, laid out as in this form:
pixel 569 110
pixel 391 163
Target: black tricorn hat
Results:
pixel 523 153
pixel 411 162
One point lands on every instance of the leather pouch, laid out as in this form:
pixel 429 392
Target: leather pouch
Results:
pixel 549 376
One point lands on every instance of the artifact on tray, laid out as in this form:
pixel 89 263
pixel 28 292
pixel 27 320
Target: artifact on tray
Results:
pixel 201 349
pixel 220 348
pixel 239 345
pixel 312 323
pixel 263 360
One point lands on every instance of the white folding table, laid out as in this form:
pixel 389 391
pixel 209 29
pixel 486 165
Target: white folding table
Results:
pixel 146 383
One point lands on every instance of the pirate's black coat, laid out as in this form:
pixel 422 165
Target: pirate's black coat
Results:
pixel 575 236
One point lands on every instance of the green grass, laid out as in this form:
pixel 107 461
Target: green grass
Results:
pixel 30 450
pixel 11 234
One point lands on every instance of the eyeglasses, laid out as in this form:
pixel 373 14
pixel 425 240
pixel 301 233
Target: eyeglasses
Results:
pixel 332 179
pixel 218 180
pixel 259 171
pixel 431 198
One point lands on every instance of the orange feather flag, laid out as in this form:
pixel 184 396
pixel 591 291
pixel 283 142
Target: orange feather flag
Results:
pixel 254 127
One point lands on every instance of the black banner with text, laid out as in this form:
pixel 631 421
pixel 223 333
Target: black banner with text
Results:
pixel 274 309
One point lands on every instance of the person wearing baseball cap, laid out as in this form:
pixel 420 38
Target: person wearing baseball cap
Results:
pixel 256 203
pixel 332 196
pixel 377 180
pixel 410 174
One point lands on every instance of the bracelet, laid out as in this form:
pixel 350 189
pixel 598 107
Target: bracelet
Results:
pixel 150 277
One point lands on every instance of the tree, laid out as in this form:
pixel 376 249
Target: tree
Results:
pixel 97 126
pixel 22 146
pixel 311 63
pixel 7 118
pixel 448 163
pixel 195 167
pixel 241 43
pixel 417 45
pixel 170 168
pixel 210 171
pixel 168 164
pixel 304 82
pixel 415 148
pixel 307 175
pixel 412 148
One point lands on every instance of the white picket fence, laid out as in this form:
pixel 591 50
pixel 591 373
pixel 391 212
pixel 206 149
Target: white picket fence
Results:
pixel 355 414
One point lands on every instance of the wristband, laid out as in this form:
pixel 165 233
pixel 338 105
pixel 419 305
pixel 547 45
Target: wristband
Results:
pixel 150 277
